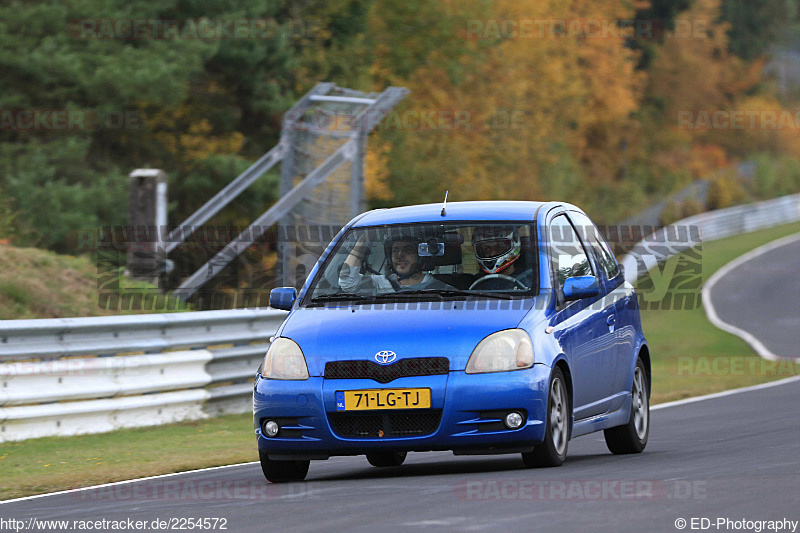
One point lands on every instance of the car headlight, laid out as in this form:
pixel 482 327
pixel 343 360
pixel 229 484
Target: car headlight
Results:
pixel 510 349
pixel 284 360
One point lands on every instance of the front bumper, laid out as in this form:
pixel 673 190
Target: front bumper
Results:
pixel 470 406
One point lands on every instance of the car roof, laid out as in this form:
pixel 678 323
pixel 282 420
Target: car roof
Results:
pixel 456 211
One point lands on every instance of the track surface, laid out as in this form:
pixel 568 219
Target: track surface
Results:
pixel 762 297
pixel 736 456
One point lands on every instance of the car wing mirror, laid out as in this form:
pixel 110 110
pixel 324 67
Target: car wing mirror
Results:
pixel 282 298
pixel 578 287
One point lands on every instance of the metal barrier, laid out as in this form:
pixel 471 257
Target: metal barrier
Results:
pixel 88 375
pixel 709 226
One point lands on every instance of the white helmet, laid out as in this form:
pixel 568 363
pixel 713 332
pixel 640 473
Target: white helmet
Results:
pixel 496 247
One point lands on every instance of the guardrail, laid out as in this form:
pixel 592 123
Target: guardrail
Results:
pixel 709 226
pixel 88 375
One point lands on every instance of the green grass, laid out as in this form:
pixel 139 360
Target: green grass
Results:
pixel 678 339
pixel 38 283
pixel 50 464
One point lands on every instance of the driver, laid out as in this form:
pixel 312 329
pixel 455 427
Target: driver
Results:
pixel 403 264
pixel 498 250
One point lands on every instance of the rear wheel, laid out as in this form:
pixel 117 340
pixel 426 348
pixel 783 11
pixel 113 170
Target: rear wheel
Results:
pixel 632 437
pixel 283 471
pixel 382 459
pixel 553 450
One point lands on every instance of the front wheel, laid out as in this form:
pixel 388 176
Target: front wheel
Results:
pixel 382 459
pixel 553 450
pixel 283 471
pixel 632 437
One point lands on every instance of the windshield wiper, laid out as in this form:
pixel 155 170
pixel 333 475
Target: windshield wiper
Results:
pixel 446 293
pixel 340 296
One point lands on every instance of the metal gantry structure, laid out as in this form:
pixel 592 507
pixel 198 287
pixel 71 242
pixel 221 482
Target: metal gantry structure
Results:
pixel 322 135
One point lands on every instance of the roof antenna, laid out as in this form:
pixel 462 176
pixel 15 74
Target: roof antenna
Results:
pixel 444 204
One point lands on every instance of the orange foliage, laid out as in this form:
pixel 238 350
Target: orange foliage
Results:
pixel 706 158
pixel 376 173
pixel 524 96
pixel 693 70
pixel 184 132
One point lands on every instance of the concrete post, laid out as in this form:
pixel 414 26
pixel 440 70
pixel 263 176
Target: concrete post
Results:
pixel 147 218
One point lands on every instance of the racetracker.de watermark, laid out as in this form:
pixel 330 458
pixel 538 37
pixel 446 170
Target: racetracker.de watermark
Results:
pixel 734 366
pixel 668 261
pixel 69 120
pixel 190 29
pixel 176 490
pixel 84 367
pixel 738 119
pixel 585 28
pixel 581 490
pixel 325 120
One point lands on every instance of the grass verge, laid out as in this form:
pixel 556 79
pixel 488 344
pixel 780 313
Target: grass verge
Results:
pixel 38 283
pixel 686 351
pixel 37 466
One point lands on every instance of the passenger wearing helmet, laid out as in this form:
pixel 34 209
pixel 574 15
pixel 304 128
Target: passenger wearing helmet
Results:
pixel 498 250
pixel 403 268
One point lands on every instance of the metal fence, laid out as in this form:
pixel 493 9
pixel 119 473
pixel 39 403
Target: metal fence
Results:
pixel 709 226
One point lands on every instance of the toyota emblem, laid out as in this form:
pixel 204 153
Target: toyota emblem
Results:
pixel 385 357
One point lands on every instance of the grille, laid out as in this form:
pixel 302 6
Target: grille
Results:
pixel 399 424
pixel 420 366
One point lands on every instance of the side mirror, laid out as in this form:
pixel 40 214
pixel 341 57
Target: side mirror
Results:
pixel 578 287
pixel 282 298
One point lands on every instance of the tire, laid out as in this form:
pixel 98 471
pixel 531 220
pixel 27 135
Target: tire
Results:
pixel 553 450
pixel 283 471
pixel 632 437
pixel 382 459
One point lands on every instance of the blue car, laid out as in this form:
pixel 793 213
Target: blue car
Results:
pixel 476 327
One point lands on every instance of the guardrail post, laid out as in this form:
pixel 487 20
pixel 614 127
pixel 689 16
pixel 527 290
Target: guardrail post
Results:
pixel 147 217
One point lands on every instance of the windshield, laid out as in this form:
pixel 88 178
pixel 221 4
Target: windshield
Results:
pixel 489 259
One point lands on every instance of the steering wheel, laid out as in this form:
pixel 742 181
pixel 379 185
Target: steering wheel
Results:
pixel 501 277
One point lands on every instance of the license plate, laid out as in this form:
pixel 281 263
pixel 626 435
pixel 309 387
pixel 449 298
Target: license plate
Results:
pixel 372 399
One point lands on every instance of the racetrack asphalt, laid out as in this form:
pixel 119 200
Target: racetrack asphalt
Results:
pixel 735 457
pixel 762 297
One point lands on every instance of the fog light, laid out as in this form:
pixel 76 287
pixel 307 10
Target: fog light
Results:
pixel 271 428
pixel 514 420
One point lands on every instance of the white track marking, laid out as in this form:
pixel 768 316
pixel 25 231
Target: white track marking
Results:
pixel 123 482
pixel 726 393
pixel 711 313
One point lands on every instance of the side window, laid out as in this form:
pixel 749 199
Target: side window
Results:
pixel 591 236
pixel 607 259
pixel 567 253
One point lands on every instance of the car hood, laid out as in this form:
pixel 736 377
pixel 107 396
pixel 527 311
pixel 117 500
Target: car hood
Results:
pixel 360 332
